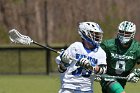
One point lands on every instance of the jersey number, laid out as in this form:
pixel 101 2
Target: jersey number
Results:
pixel 120 67
pixel 81 72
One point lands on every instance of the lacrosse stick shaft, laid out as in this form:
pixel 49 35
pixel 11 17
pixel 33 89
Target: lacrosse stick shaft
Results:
pixel 113 77
pixel 47 47
pixel 51 49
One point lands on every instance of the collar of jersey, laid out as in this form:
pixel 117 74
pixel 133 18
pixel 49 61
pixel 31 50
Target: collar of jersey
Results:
pixel 88 50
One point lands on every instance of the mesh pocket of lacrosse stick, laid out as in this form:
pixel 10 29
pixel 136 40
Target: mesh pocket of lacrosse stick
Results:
pixel 16 37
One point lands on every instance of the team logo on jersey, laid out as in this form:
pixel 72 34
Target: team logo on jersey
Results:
pixel 121 56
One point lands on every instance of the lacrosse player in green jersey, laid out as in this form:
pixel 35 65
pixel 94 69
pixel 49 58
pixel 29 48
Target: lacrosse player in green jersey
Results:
pixel 123 53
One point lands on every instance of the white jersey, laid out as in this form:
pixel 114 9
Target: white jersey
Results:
pixel 76 77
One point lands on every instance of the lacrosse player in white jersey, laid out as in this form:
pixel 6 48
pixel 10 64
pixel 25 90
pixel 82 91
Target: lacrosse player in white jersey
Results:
pixel 77 76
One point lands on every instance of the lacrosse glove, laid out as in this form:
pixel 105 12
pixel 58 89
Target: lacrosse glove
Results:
pixel 65 58
pixel 97 79
pixel 62 68
pixel 134 76
pixel 85 63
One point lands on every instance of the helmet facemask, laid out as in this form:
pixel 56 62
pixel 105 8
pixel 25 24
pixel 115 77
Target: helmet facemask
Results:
pixel 126 31
pixel 125 37
pixel 95 36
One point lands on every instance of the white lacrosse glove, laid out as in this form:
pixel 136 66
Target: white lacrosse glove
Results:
pixel 132 78
pixel 65 58
pixel 85 63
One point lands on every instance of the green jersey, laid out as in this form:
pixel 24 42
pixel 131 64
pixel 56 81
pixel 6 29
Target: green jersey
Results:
pixel 120 61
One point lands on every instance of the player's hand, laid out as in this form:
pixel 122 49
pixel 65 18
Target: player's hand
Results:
pixel 132 78
pixel 84 62
pixel 65 58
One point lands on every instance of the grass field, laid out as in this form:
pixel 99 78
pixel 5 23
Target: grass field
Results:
pixel 43 84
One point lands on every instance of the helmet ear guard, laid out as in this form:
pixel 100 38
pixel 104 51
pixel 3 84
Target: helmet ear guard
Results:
pixel 126 31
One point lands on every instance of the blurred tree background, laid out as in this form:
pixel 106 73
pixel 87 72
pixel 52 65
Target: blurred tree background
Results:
pixel 56 21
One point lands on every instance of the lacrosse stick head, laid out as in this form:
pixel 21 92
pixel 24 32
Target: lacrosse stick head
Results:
pixel 16 37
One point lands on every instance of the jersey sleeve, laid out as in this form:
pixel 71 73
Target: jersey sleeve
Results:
pixel 138 55
pixel 102 58
pixel 102 62
pixel 104 46
pixel 57 60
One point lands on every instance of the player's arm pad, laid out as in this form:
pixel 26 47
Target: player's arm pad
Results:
pixel 102 69
pixel 62 68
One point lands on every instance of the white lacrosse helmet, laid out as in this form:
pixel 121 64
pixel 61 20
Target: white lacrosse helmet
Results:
pixel 91 32
pixel 126 31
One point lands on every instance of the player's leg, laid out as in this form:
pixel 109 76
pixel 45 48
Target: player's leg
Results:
pixel 115 87
pixel 111 87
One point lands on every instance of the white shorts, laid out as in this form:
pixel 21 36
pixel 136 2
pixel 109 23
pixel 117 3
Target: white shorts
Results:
pixel 65 90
